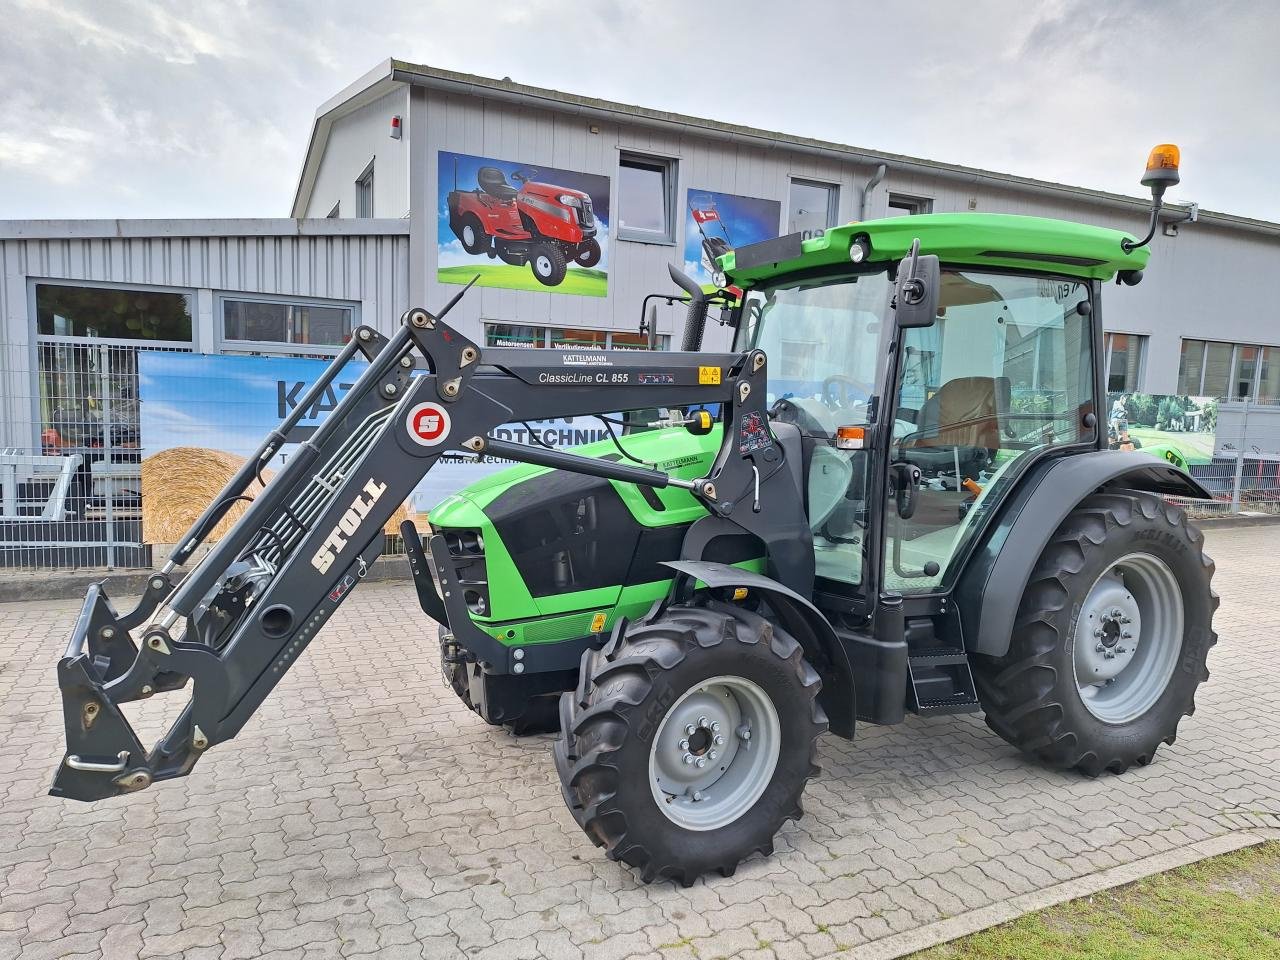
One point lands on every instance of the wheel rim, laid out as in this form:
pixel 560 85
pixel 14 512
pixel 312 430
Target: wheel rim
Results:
pixel 1128 638
pixel 729 726
pixel 543 265
pixel 468 236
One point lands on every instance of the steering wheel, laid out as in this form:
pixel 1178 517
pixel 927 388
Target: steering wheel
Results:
pixel 845 383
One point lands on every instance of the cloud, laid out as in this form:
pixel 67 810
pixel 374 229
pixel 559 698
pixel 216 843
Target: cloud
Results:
pixel 142 109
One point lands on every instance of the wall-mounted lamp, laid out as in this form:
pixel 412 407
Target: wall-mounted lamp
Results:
pixel 395 128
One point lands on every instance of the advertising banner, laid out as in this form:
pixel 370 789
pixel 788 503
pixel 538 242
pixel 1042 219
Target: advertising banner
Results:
pixel 521 226
pixel 203 415
pixel 1179 428
pixel 717 222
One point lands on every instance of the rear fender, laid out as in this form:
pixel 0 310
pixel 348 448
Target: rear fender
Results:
pixel 989 590
pixel 800 618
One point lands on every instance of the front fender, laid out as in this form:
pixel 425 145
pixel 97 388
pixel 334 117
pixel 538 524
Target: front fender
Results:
pixel 800 618
pixel 989 590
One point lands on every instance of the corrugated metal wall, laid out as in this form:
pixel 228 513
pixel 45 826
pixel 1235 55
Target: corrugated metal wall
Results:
pixel 275 257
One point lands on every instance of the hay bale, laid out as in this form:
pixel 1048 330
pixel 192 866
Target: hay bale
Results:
pixel 178 483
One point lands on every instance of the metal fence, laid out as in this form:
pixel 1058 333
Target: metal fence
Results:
pixel 71 454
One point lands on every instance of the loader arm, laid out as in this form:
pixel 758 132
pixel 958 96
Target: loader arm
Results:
pixel 242 615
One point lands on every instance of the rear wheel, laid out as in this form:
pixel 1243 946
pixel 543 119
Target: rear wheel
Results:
pixel 689 741
pixel 471 234
pixel 1111 638
pixel 548 263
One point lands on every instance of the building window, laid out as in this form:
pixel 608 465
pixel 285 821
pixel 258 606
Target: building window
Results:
pixel 112 313
pixel 364 192
pixel 646 199
pixel 1234 371
pixel 813 207
pixel 904 206
pixel 1125 357
pixel 281 322
pixel 334 213
pixel 518 335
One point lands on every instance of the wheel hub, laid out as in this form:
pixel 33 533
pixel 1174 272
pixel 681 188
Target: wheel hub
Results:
pixel 1127 638
pixel 714 753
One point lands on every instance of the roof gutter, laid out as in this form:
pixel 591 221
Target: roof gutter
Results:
pixel 604 111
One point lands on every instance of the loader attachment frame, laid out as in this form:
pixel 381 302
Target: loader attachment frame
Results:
pixel 239 618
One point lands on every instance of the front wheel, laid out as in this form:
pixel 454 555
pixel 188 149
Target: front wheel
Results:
pixel 547 262
pixel 1110 641
pixel 588 253
pixel 689 741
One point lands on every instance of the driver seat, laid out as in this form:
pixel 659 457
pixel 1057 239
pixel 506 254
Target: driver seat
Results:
pixel 965 412
pixel 492 182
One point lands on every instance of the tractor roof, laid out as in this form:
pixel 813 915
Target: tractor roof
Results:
pixel 977 239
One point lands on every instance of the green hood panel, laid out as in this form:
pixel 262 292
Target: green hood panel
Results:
pixel 673 450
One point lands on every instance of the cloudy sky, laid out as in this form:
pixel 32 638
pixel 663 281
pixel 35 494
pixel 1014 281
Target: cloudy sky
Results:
pixel 150 108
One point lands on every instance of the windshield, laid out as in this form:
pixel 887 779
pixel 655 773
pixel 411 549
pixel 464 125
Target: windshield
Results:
pixel 822 339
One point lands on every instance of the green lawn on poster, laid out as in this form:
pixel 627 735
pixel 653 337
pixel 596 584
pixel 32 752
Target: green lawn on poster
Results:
pixel 579 281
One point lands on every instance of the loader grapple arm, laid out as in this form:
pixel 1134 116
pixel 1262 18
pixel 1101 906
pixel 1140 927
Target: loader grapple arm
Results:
pixel 244 613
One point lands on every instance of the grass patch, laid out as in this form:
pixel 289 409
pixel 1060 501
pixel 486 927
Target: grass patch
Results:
pixel 580 281
pixel 1227 908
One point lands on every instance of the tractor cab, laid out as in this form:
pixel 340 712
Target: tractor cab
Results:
pixel 951 409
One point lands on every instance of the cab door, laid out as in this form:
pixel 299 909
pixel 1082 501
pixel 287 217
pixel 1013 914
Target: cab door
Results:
pixel 1003 375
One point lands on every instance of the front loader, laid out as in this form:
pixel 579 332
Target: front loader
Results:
pixel 903 502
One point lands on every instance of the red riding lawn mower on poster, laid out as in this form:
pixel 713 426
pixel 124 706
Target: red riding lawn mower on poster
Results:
pixel 541 224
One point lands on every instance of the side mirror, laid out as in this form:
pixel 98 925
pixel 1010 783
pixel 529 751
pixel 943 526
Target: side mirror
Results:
pixel 915 300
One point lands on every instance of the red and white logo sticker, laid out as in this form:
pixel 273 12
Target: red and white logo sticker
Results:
pixel 428 424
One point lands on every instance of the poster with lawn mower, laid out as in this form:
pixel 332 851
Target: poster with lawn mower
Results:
pixel 719 222
pixel 522 226
pixel 1178 428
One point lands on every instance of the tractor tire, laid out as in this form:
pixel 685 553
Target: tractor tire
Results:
pixel 1110 641
pixel 587 253
pixel 644 787
pixel 547 261
pixel 471 234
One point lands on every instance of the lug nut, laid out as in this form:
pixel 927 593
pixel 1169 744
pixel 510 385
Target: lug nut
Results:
pixel 691 729
pixel 1126 635
pixel 684 744
pixel 719 740
pixel 701 762
pixel 715 726
pixel 702 721
pixel 1097 632
pixel 713 756
pixel 688 758
pixel 697 795
pixel 1099 648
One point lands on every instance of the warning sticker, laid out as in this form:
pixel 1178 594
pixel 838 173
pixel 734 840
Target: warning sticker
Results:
pixel 597 622
pixel 708 374
pixel 428 424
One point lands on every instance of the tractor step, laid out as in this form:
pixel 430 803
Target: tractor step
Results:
pixel 941 682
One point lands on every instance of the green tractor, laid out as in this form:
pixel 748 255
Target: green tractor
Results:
pixel 893 495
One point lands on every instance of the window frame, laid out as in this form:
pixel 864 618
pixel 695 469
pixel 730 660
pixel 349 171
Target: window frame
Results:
pixel 670 168
pixel 545 332
pixel 1232 366
pixel 33 308
pixel 227 346
pixel 1140 374
pixel 365 182
pixel 833 200
pixel 913 205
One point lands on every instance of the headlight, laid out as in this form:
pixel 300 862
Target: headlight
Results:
pixel 719 279
pixel 860 249
pixel 569 200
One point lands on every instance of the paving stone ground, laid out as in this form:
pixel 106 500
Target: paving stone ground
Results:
pixel 365 812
